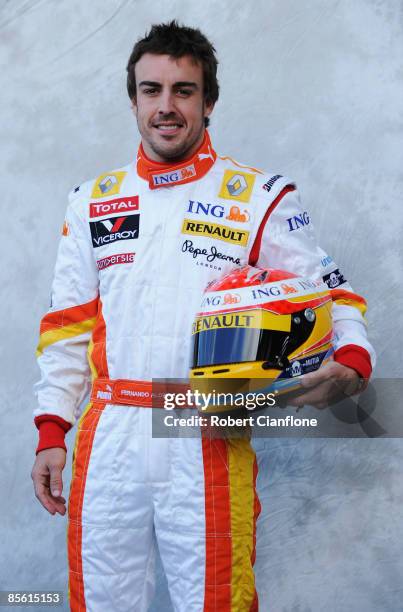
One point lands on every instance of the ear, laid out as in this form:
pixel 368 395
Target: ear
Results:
pixel 208 108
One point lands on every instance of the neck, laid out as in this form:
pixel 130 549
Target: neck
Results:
pixel 174 160
pixel 166 173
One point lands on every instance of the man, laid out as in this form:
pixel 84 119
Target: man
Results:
pixel 139 245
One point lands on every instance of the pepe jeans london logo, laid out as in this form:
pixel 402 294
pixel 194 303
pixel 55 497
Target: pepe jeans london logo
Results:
pixel 208 255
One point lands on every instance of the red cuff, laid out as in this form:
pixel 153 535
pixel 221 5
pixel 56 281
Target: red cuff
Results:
pixel 355 357
pixel 52 430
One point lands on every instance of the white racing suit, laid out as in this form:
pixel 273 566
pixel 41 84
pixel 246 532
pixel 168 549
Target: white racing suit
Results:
pixel 139 246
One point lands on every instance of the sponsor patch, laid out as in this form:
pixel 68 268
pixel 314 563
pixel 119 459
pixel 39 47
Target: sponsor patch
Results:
pixel 220 232
pixel 114 229
pixel 175 176
pixel 117 205
pixel 237 185
pixel 269 292
pixel 298 221
pixel 223 321
pixel 235 214
pixel 304 365
pixel 208 257
pixel 326 261
pixel 267 186
pixel 246 318
pixel 112 260
pixel 199 208
pixel 334 279
pixel 108 184
pixel 218 211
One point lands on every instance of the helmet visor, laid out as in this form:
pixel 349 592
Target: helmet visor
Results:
pixel 224 339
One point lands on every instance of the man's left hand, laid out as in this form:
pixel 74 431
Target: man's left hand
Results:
pixel 328 385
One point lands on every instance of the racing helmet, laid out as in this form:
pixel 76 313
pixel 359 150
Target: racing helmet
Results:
pixel 261 324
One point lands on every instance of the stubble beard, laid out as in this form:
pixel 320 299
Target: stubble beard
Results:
pixel 170 152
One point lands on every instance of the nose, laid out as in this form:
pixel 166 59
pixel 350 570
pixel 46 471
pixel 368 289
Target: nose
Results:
pixel 166 103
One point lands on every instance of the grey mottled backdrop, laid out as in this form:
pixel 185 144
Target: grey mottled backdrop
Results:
pixel 313 89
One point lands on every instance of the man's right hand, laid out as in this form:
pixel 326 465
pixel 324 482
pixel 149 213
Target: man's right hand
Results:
pixel 47 477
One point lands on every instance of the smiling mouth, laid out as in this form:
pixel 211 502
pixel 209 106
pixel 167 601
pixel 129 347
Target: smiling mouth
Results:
pixel 167 128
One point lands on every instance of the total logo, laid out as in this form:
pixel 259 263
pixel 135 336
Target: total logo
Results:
pixel 118 205
pixel 114 229
pixel 176 176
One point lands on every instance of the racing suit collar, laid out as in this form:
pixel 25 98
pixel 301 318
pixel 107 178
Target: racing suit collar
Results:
pixel 160 174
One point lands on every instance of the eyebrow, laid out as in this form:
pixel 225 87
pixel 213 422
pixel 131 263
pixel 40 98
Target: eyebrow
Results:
pixel 177 84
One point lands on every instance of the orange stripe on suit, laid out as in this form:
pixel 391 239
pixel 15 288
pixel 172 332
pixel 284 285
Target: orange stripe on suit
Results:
pixel 67 316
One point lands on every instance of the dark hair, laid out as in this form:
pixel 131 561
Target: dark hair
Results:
pixel 177 41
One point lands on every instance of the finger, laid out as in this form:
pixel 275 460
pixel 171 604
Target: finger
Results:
pixel 56 482
pixel 43 495
pixel 50 503
pixel 318 397
pixel 314 378
pixel 60 505
pixel 326 372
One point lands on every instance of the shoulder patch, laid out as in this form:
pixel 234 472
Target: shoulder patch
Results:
pixel 108 184
pixel 269 184
pixel 237 185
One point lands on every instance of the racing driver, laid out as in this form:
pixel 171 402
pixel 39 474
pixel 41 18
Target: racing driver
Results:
pixel 139 245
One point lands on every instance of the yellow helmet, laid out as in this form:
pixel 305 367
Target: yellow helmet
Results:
pixel 264 327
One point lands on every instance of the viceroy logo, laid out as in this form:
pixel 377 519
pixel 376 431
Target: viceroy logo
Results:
pixel 114 229
pixel 118 205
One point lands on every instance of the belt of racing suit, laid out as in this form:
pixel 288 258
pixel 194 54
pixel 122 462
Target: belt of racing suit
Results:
pixel 143 393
